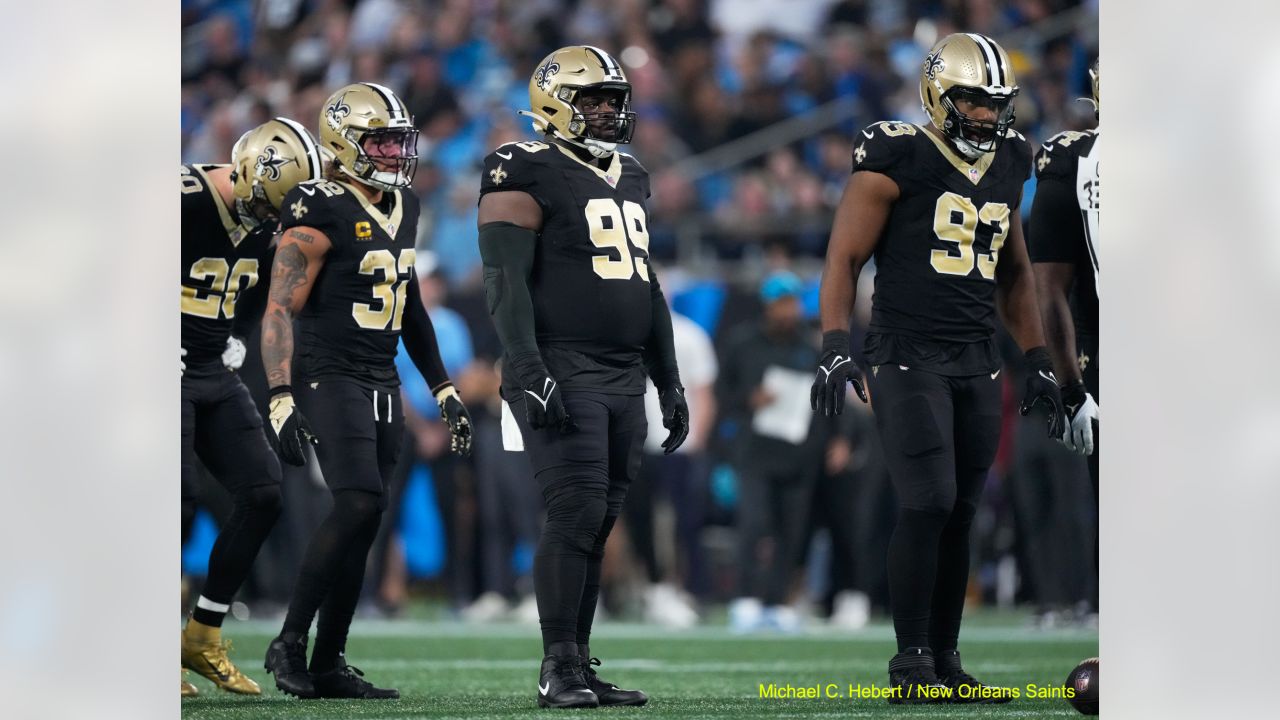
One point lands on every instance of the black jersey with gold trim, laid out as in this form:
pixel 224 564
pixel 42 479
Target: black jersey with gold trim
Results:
pixel 590 286
pixel 220 260
pixel 1065 216
pixel 351 323
pixel 934 302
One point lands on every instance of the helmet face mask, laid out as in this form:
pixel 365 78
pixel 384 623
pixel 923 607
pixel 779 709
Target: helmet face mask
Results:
pixel 267 162
pixel 963 74
pixel 556 96
pixel 371 135
pixel 982 136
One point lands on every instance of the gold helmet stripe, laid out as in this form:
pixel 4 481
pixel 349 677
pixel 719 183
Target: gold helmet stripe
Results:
pixel 393 103
pixel 304 137
pixel 992 58
pixel 611 69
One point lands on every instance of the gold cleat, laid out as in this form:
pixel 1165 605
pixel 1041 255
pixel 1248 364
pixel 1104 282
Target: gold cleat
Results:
pixel 205 652
pixel 188 690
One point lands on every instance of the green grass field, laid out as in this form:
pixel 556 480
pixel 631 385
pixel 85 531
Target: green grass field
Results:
pixel 448 669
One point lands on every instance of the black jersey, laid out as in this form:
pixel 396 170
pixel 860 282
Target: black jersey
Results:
pixel 934 303
pixel 590 286
pixel 220 260
pixel 350 325
pixel 1064 216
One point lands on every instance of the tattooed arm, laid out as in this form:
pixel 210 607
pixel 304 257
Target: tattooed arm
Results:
pixel 298 261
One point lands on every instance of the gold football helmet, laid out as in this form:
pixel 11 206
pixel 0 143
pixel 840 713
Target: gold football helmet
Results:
pixel 559 82
pixel 371 135
pixel 267 162
pixel 974 69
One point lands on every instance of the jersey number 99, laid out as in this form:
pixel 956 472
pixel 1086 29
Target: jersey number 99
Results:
pixel 610 228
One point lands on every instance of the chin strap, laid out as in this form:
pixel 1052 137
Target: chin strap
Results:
pixel 597 148
pixel 966 149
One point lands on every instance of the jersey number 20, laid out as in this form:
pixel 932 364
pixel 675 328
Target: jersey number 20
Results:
pixel 389 292
pixel 610 228
pixel 955 219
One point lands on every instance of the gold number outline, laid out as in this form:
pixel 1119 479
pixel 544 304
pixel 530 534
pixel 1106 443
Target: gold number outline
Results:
pixel 627 226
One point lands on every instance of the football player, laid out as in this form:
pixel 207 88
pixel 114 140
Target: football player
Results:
pixel 581 316
pixel 1063 247
pixel 345 270
pixel 937 207
pixel 229 215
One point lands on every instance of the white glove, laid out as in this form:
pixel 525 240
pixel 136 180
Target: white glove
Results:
pixel 1079 434
pixel 233 356
pixel 184 364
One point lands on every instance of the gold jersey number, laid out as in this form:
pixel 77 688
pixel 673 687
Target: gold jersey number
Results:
pixel 610 228
pixel 389 292
pixel 955 219
pixel 224 285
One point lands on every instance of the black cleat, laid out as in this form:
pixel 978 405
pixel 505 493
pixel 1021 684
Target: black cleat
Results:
pixel 561 682
pixel 287 661
pixel 347 681
pixel 912 679
pixel 964 687
pixel 608 693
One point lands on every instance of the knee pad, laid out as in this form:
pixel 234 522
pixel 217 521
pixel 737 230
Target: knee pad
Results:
pixel 574 519
pixel 359 507
pixel 263 500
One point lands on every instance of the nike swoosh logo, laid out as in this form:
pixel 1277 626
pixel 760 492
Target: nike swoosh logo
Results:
pixel 542 689
pixel 869 135
pixel 1049 377
pixel 307 190
pixel 546 390
pixel 842 360
pixel 504 157
pixel 996 374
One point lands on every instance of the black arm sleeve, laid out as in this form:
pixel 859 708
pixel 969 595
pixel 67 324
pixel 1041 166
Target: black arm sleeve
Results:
pixel 507 251
pixel 251 303
pixel 660 348
pixel 420 340
pixel 1057 227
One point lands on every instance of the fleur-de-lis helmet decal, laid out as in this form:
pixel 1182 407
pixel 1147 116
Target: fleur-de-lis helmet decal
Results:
pixel 335 113
pixel 269 162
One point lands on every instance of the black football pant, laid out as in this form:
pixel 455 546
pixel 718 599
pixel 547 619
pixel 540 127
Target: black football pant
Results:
pixel 221 426
pixel 359 432
pixel 940 436
pixel 584 478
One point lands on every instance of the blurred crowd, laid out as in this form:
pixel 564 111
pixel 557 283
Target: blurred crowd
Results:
pixel 778 515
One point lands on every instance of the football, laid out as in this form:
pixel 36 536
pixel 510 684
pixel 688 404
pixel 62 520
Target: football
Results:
pixel 1084 681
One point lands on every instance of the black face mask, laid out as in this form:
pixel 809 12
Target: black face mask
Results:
pixel 982 135
pixel 620 123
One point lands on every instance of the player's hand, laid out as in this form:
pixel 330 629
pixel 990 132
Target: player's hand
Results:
pixel 292 430
pixel 233 356
pixel 675 417
pixel 183 363
pixel 1042 389
pixel 455 415
pixel 835 370
pixel 1082 415
pixel 544 405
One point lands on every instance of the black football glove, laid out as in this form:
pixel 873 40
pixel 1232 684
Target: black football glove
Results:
pixel 292 430
pixel 835 370
pixel 675 417
pixel 1042 389
pixel 455 415
pixel 1082 416
pixel 543 403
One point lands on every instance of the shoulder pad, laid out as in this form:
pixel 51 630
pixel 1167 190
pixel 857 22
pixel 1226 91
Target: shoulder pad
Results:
pixel 311 204
pixel 881 146
pixel 634 161
pixel 1057 156
pixel 513 166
